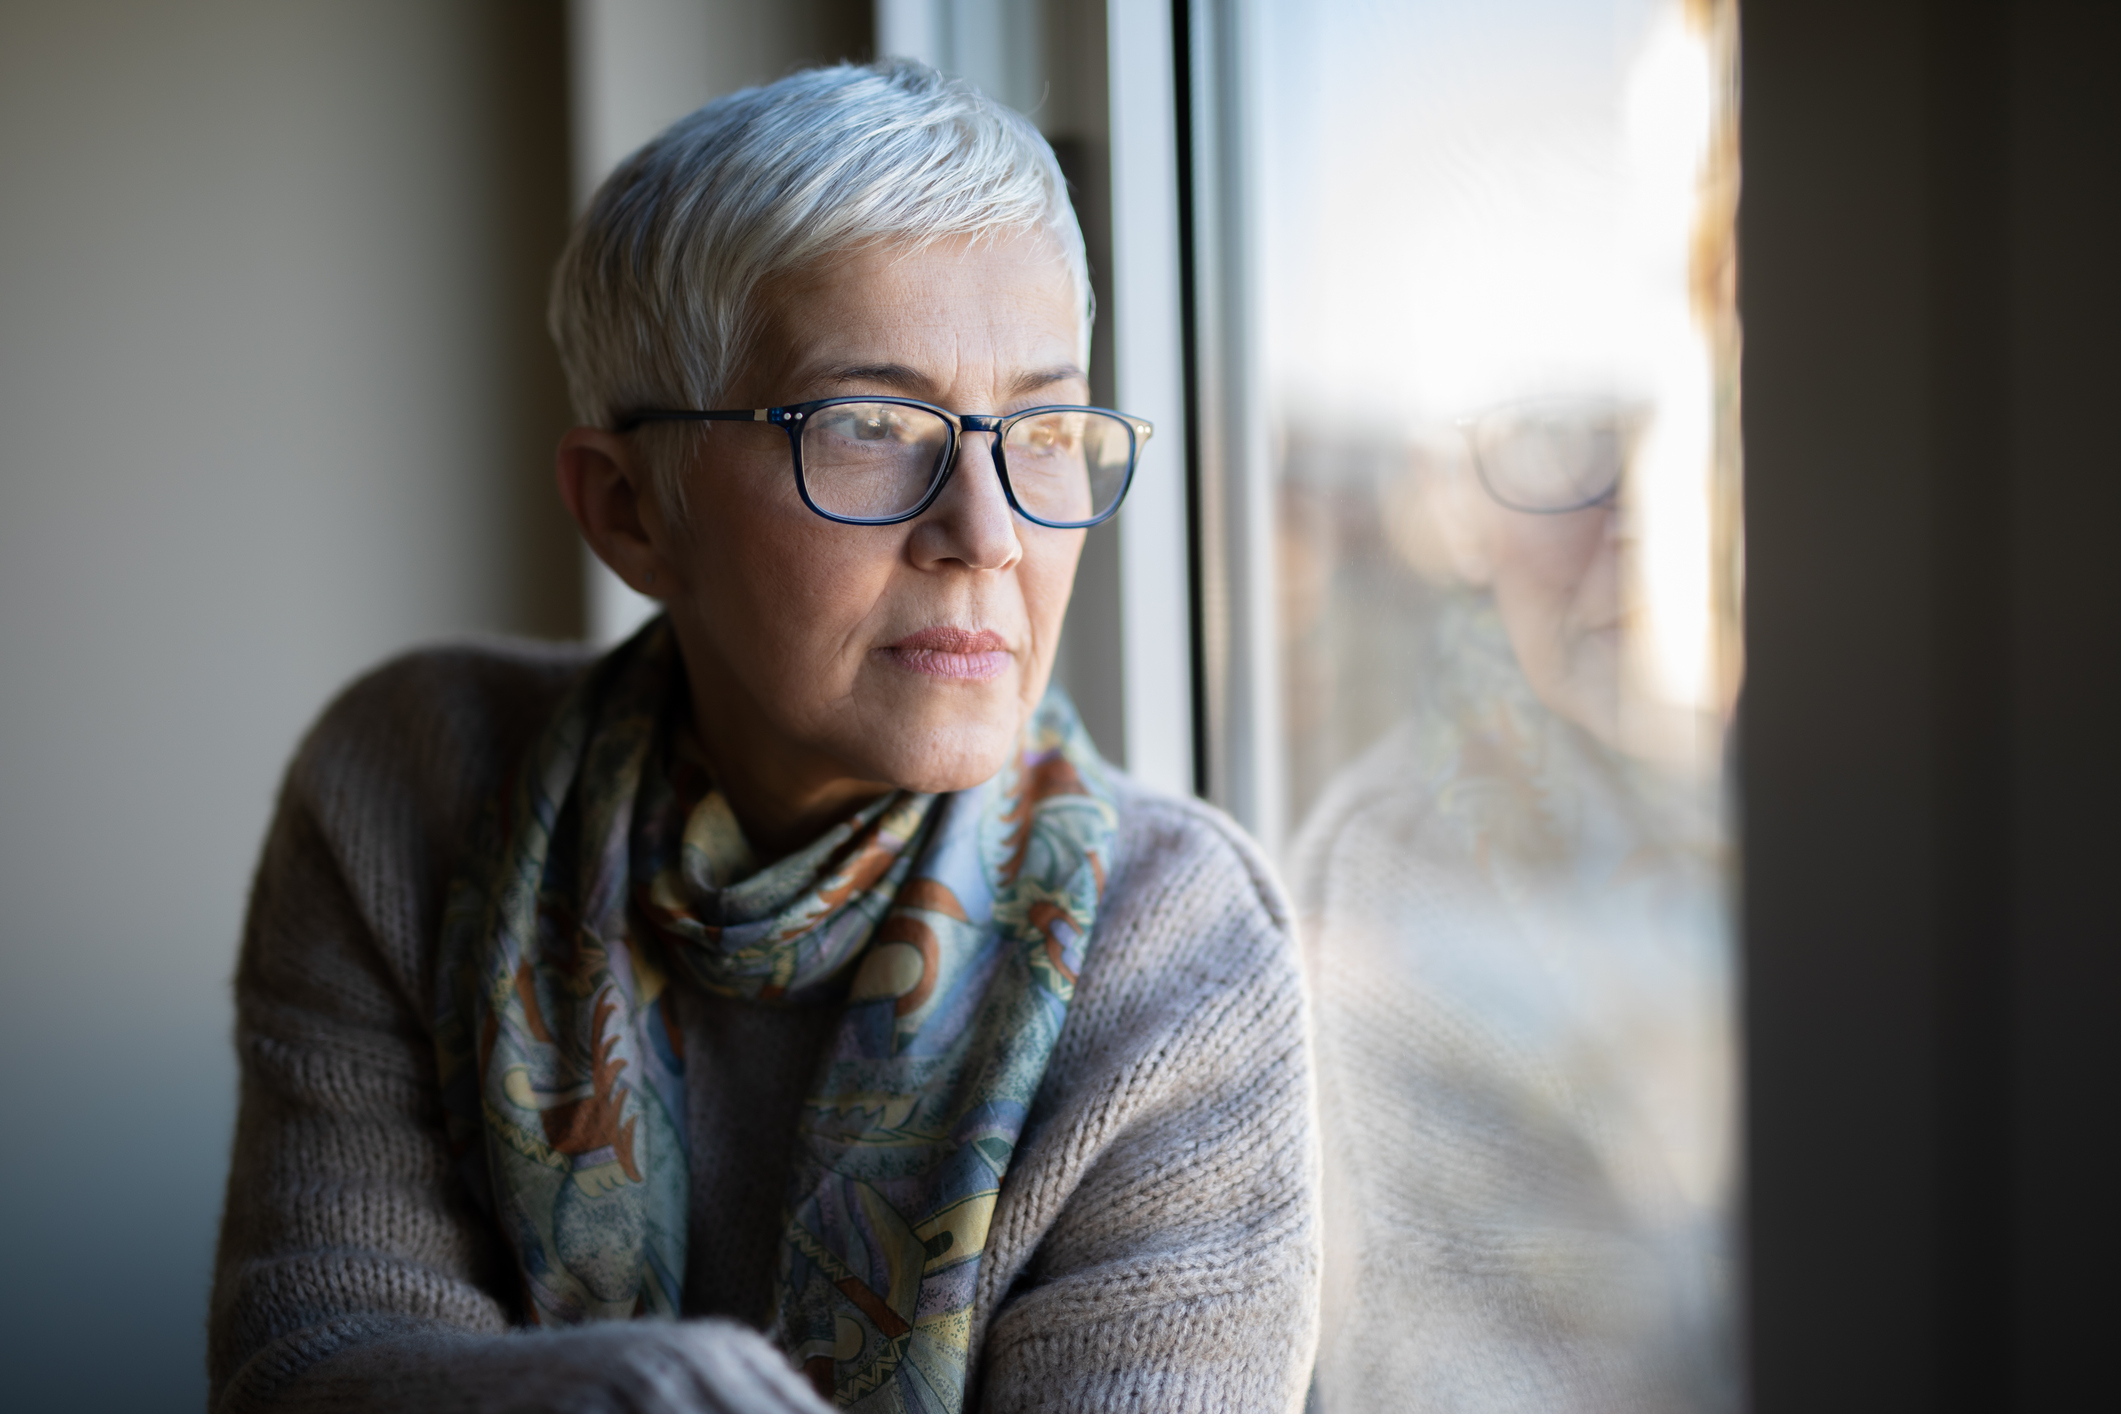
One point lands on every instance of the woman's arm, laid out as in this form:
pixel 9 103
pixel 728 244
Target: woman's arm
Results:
pixel 354 1270
pixel 1177 1167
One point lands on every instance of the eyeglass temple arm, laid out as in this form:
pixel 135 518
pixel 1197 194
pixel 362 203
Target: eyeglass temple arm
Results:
pixel 635 419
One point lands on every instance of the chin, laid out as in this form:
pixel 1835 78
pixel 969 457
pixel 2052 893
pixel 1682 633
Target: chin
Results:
pixel 942 773
pixel 950 750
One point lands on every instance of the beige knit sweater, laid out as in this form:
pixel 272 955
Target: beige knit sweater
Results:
pixel 1156 1242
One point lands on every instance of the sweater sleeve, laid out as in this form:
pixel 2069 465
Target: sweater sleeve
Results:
pixel 354 1271
pixel 1180 1270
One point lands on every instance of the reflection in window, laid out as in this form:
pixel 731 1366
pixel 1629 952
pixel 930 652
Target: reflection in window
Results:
pixel 1490 274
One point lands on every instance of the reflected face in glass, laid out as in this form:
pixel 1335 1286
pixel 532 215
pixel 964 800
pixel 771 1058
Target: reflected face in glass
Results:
pixel 910 654
pixel 1556 581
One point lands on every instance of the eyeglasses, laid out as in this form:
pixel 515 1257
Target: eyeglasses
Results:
pixel 879 461
pixel 1553 456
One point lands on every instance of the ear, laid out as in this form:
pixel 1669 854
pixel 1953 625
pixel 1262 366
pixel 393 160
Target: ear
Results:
pixel 606 487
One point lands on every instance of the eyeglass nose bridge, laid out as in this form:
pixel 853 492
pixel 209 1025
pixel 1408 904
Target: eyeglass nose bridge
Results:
pixel 960 424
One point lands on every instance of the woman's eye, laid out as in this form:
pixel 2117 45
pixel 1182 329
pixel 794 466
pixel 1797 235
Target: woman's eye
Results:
pixel 870 429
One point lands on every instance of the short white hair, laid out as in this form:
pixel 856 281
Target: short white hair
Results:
pixel 654 301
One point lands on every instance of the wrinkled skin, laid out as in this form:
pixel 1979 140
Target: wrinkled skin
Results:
pixel 1556 580
pixel 792 626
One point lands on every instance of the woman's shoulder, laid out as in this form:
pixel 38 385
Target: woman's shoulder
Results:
pixel 390 780
pixel 1191 894
pixel 374 815
pixel 488 673
pixel 459 710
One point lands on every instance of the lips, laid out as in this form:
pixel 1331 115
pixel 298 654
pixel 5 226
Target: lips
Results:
pixel 969 654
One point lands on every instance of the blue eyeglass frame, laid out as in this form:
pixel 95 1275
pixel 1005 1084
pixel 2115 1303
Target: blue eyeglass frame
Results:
pixel 794 416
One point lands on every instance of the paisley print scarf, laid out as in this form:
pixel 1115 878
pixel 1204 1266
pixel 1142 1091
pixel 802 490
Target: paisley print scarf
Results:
pixel 953 927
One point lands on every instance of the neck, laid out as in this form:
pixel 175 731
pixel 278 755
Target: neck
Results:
pixel 783 794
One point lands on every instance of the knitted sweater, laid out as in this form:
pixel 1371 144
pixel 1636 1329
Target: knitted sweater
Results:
pixel 1518 964
pixel 1156 1240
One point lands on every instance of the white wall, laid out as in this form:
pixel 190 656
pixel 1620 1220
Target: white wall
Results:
pixel 275 402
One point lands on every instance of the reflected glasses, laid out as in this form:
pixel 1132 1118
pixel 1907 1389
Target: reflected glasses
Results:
pixel 1553 456
pixel 879 461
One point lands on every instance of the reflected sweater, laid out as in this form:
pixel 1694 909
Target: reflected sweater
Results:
pixel 1155 1243
pixel 1517 950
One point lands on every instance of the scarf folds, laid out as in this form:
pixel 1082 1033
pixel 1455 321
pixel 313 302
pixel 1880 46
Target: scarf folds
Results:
pixel 954 926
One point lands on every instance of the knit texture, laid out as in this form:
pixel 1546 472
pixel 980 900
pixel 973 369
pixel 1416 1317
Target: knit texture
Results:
pixel 1511 969
pixel 1155 1245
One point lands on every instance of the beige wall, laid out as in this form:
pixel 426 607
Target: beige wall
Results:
pixel 275 402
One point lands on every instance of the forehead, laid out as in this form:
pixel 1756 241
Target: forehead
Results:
pixel 1009 298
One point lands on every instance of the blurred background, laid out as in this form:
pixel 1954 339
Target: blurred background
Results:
pixel 277 403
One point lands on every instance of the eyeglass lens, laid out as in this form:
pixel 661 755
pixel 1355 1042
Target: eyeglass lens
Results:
pixel 1552 458
pixel 872 461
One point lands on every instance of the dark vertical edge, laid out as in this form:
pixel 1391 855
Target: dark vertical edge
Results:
pixel 1189 349
pixel 841 31
pixel 1966 115
pixel 1090 638
pixel 1085 163
pixel 1841 813
pixel 527 127
pixel 1933 202
pixel 1736 1217
pixel 2065 497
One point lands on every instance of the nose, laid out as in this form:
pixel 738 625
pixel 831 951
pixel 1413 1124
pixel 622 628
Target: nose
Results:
pixel 970 523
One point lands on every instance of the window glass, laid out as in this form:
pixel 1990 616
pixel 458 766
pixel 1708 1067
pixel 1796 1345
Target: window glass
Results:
pixel 1483 303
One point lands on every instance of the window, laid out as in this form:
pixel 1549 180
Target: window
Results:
pixel 1466 501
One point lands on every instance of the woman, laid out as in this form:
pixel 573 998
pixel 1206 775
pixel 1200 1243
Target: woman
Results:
pixel 1515 922
pixel 789 1005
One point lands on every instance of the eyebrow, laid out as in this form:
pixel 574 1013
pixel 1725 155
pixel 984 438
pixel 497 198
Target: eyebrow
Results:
pixel 910 381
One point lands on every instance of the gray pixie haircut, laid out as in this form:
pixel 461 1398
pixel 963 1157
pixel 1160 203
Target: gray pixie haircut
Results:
pixel 655 300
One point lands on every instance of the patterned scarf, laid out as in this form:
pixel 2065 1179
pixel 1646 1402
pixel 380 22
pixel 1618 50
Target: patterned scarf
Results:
pixel 956 926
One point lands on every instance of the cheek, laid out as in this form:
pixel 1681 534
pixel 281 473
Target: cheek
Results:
pixel 1548 556
pixel 1047 575
pixel 782 591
